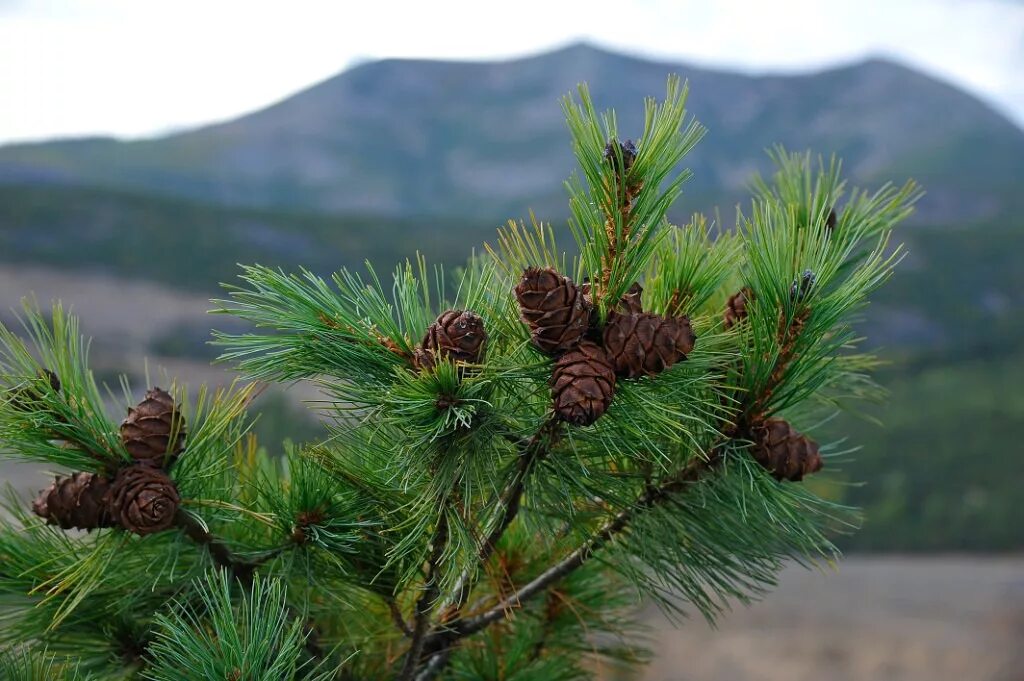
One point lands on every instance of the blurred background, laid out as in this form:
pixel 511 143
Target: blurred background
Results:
pixel 146 148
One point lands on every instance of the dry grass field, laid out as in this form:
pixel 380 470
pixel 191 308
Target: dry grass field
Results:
pixel 874 619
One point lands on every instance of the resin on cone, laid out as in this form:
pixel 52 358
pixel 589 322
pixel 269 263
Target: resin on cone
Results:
pixel 455 335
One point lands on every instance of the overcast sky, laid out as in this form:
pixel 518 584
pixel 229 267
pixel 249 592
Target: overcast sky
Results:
pixel 141 67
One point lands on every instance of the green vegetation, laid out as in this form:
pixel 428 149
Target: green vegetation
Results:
pixel 941 472
pixel 195 246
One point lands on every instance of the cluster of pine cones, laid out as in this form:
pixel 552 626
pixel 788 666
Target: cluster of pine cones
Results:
pixel 588 359
pixel 139 496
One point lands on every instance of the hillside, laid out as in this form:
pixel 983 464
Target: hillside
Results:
pixel 417 138
pixel 189 245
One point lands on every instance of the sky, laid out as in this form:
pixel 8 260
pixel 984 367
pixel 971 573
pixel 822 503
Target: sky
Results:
pixel 134 68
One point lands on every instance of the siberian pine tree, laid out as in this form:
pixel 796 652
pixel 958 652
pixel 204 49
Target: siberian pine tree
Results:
pixel 518 452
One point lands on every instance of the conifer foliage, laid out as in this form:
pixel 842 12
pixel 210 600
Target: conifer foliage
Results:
pixel 515 457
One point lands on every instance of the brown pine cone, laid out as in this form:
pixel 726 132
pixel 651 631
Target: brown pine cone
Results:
pixel 830 221
pixel 143 499
pixel 640 344
pixel 736 307
pixel 553 308
pixel 149 427
pixel 456 335
pixel 75 502
pixel 786 453
pixel 583 384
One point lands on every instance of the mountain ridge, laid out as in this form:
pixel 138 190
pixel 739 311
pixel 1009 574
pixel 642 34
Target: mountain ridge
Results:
pixel 411 137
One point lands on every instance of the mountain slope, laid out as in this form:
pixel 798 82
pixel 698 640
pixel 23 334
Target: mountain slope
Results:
pixel 407 137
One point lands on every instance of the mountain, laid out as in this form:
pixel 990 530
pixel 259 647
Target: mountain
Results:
pixel 487 140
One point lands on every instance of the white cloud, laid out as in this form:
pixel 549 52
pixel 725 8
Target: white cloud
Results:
pixel 133 68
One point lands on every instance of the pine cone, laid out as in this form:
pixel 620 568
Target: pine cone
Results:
pixel 147 431
pixel 583 384
pixel 143 499
pixel 736 307
pixel 831 220
pixel 75 502
pixel 553 308
pixel 455 335
pixel 644 343
pixel 786 453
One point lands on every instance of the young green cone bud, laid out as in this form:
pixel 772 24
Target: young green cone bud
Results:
pixel 801 288
pixel 627 150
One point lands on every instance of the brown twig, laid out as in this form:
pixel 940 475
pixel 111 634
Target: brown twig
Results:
pixel 241 569
pixel 425 604
pixel 220 552
pixel 531 452
pixel 398 618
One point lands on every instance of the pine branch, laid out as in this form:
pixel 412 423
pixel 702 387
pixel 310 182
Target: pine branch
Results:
pixel 532 451
pixel 398 618
pixel 243 570
pixel 444 641
pixel 240 568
